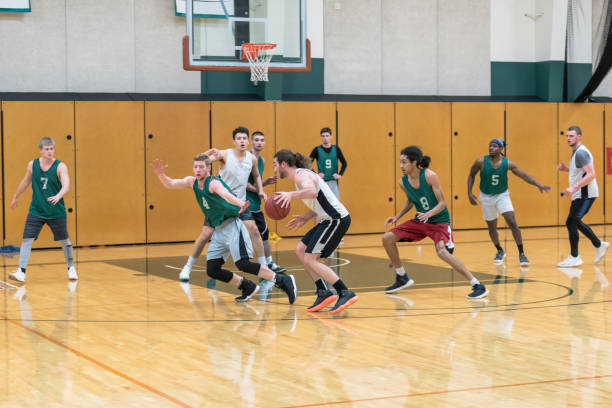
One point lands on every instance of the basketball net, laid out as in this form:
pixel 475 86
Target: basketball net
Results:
pixel 259 57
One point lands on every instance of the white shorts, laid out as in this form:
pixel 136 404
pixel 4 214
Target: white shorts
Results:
pixel 496 203
pixel 231 237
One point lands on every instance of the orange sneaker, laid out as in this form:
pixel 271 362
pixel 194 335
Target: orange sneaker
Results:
pixel 347 298
pixel 324 298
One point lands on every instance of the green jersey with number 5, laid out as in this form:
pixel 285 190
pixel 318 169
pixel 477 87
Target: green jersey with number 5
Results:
pixel 214 206
pixel 492 180
pixel 424 199
pixel 46 184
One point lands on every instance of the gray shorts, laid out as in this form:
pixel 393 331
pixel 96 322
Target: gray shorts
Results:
pixel 333 185
pixel 34 224
pixel 231 237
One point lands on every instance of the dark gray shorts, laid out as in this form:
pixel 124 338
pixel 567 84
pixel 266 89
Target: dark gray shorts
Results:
pixel 34 224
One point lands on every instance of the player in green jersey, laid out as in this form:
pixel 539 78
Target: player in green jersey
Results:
pixel 423 191
pixel 494 195
pixel 327 156
pixel 222 210
pixel 50 182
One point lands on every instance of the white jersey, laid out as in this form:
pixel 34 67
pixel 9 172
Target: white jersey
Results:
pixel 580 158
pixel 325 205
pixel 236 173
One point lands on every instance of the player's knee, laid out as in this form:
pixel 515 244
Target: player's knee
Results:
pixel 214 270
pixel 442 252
pixel 571 221
pixel 247 266
pixel 388 238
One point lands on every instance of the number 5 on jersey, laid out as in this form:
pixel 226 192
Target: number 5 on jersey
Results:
pixel 495 179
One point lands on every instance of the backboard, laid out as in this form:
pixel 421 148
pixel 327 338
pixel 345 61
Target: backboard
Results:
pixel 216 29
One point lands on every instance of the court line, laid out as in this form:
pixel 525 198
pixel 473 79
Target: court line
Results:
pixel 99 364
pixel 423 394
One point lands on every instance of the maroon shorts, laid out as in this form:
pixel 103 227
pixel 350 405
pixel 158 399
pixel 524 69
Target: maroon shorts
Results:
pixel 414 230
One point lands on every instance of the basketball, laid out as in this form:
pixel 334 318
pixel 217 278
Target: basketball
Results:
pixel 275 211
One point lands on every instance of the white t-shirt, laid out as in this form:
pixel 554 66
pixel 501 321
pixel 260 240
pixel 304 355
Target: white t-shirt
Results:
pixel 580 158
pixel 236 172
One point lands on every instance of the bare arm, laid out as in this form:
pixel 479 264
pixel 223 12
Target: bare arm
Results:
pixel 589 169
pixel 216 187
pixel 306 186
pixel 25 182
pixel 407 207
pixel 520 173
pixel 257 179
pixel 159 168
pixel 62 173
pixel 476 167
pixel 434 182
pixel 216 155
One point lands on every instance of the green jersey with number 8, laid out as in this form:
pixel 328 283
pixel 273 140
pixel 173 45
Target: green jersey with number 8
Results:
pixel 494 181
pixel 424 199
pixel 46 184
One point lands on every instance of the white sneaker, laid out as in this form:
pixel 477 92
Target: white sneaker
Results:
pixel 72 275
pixel 570 261
pixel 601 251
pixel 18 275
pixel 184 275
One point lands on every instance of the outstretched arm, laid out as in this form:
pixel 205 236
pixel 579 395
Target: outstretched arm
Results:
pixel 476 167
pixel 159 168
pixel 62 173
pixel 216 155
pixel 25 182
pixel 216 187
pixel 434 182
pixel 520 173
pixel 407 207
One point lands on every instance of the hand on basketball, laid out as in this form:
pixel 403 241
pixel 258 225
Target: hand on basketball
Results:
pixel 473 199
pixel 423 217
pixel 389 221
pixel 544 188
pixel 54 199
pixel 270 180
pixel 282 198
pixel 159 167
pixel 562 167
pixel 296 222
pixel 244 207
pixel 337 176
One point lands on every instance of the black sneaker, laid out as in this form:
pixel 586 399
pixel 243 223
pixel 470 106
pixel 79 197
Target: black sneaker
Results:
pixel 275 268
pixel 478 291
pixel 324 298
pixel 401 282
pixel 347 298
pixel 499 257
pixel 286 283
pixel 248 289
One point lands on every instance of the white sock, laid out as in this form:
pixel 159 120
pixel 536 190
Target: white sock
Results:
pixel 190 262
pixel 262 260
pixel 269 260
pixel 474 281
pixel 400 271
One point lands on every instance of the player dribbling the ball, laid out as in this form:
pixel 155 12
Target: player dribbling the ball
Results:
pixel 324 237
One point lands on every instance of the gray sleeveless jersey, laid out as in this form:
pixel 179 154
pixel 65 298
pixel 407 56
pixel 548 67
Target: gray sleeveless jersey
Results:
pixel 236 173
pixel 580 158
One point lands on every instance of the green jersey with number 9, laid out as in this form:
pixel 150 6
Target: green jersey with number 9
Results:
pixel 214 206
pixel 46 184
pixel 492 180
pixel 424 199
pixel 327 163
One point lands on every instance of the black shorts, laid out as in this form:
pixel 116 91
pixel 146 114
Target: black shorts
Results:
pixel 325 237
pixel 34 224
pixel 262 226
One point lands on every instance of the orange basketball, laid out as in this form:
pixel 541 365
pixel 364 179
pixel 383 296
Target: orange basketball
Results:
pixel 275 211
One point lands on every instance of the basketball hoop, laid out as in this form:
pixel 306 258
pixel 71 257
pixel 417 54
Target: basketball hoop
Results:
pixel 259 59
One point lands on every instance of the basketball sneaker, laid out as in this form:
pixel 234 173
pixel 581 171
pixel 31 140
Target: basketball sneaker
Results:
pixel 401 282
pixel 72 274
pixel 499 257
pixel 571 261
pixel 18 275
pixel 347 298
pixel 275 268
pixel 324 298
pixel 523 259
pixel 248 289
pixel 478 291
pixel 286 283
pixel 184 275
pixel 601 251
